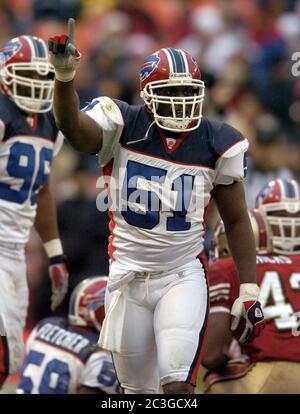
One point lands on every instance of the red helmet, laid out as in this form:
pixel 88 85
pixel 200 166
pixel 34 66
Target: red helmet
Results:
pixel 86 306
pixel 173 67
pixel 27 54
pixel 279 203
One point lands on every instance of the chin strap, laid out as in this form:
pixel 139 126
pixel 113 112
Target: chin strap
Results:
pixel 169 123
pixel 145 137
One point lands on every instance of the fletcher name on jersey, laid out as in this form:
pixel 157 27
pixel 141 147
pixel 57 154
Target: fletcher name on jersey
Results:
pixel 62 356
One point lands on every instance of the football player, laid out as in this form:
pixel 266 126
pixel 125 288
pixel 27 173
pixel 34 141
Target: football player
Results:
pixel 271 362
pixel 29 139
pixel 164 162
pixel 62 355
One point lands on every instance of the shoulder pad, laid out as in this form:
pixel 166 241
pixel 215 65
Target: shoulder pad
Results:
pixel 227 141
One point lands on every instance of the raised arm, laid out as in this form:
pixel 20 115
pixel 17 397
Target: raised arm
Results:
pixel 83 133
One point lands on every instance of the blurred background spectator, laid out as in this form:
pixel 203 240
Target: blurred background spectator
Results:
pixel 244 50
pixel 267 156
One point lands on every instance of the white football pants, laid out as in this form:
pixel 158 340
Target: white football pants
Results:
pixel 13 304
pixel 164 323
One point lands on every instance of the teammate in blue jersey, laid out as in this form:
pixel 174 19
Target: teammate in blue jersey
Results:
pixel 164 162
pixel 62 356
pixel 29 139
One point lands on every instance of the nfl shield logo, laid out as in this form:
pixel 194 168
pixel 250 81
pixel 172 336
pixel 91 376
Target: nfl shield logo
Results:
pixel 170 142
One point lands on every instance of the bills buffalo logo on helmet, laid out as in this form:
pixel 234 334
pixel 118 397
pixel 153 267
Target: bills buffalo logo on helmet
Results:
pixel 263 194
pixel 148 66
pixel 9 50
pixel 94 300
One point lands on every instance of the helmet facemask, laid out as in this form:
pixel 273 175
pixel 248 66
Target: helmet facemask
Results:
pixel 283 220
pixel 29 94
pixel 184 113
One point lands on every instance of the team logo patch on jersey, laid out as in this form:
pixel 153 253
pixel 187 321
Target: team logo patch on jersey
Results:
pixel 170 142
pixel 30 121
pixel 9 50
pixel 148 66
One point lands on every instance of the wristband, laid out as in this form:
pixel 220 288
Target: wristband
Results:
pixel 64 76
pixel 53 248
pixel 249 289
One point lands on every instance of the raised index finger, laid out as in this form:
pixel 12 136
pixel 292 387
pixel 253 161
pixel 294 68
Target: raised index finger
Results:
pixel 71 29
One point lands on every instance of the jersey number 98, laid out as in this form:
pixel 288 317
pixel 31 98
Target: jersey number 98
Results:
pixel 22 165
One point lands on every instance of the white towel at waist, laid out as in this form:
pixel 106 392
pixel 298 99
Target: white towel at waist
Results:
pixel 112 327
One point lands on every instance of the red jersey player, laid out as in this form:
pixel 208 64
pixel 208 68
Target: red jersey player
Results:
pixel 271 363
